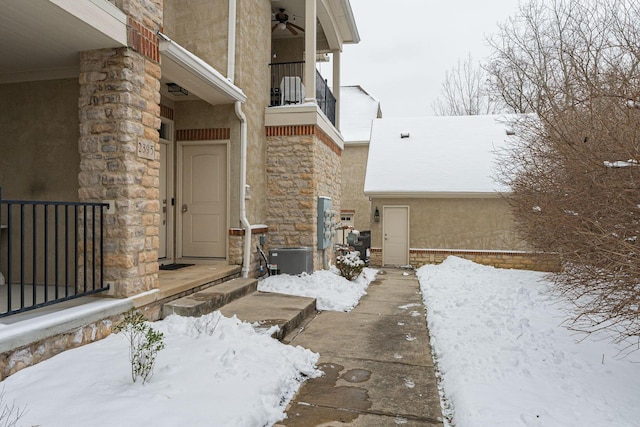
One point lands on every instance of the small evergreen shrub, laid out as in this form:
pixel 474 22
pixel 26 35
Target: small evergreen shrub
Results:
pixel 350 265
pixel 144 344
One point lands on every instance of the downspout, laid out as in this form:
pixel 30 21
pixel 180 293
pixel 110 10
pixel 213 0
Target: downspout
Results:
pixel 231 69
pixel 243 189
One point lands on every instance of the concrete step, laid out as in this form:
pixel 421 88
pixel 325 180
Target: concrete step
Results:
pixel 210 299
pixel 269 309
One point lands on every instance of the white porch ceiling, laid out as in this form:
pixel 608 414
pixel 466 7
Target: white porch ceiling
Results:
pixel 337 24
pixel 40 39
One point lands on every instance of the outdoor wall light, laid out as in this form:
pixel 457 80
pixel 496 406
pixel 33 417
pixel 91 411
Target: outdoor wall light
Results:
pixel 176 89
pixel 376 215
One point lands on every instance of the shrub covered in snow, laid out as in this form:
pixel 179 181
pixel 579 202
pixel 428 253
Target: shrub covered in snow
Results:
pixel 350 265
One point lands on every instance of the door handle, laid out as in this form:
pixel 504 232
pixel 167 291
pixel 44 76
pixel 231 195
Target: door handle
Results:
pixel 184 208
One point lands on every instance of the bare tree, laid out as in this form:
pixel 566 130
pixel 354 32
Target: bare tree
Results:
pixel 574 168
pixel 464 91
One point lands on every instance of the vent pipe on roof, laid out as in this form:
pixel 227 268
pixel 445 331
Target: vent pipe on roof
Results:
pixel 404 135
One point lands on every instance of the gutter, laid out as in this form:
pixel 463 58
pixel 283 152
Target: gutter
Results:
pixel 201 78
pixel 436 194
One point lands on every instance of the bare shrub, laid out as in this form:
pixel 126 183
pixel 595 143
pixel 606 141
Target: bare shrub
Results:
pixel 574 166
pixel 10 413
pixel 207 323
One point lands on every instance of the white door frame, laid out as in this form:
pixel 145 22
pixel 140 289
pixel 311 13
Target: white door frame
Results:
pixel 179 196
pixel 171 193
pixel 384 216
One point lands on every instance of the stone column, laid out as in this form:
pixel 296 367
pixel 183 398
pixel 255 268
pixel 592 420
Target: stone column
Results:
pixel 119 152
pixel 303 163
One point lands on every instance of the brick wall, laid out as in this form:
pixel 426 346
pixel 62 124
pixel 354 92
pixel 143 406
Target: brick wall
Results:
pixel 500 259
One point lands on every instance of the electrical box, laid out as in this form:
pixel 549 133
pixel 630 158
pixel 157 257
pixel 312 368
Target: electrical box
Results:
pixel 327 221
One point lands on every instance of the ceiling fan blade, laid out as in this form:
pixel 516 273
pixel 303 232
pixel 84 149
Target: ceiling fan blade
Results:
pixel 290 28
pixel 296 27
pixel 274 28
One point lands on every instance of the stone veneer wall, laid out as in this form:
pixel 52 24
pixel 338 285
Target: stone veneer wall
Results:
pixel 23 357
pixel 302 164
pixel 118 109
pixel 328 181
pixel 236 248
pixel 500 259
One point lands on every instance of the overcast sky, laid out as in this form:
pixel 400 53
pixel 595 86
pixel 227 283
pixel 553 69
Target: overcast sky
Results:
pixel 408 45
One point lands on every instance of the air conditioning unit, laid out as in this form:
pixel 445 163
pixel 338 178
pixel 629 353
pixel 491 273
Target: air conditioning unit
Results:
pixel 292 260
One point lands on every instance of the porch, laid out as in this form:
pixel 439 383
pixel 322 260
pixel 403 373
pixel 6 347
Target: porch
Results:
pixel 70 318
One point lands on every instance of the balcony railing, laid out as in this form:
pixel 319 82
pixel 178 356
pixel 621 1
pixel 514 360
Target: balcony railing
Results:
pixel 287 88
pixel 325 99
pixel 50 252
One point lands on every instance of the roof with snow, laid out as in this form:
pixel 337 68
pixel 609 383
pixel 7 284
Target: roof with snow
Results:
pixel 357 110
pixel 436 156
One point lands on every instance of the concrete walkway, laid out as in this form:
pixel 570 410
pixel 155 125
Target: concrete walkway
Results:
pixel 377 363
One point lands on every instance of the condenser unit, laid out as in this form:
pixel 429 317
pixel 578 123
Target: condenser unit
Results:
pixel 292 260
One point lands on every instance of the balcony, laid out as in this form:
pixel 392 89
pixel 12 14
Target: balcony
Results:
pixel 287 88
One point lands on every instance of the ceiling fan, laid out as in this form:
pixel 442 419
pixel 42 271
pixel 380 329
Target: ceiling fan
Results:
pixel 282 20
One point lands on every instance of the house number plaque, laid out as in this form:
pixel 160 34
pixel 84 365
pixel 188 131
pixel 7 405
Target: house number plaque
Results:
pixel 147 149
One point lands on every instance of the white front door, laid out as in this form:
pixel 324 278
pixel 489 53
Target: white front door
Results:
pixel 395 235
pixel 203 204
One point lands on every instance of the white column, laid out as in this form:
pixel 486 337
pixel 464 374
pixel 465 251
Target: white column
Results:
pixel 336 84
pixel 310 15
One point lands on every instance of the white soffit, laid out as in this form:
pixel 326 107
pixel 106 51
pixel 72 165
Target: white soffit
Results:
pixel 42 38
pixel 347 23
pixel 338 23
pixel 101 15
pixel 187 70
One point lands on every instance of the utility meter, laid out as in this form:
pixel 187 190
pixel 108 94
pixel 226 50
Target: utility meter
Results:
pixel 326 222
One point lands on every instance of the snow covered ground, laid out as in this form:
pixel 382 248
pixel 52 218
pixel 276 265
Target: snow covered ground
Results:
pixel 331 291
pixel 503 356
pixel 505 359
pixel 214 371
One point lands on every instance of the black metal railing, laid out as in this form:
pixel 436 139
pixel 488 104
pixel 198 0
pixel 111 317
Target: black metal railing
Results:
pixel 287 88
pixel 325 99
pixel 286 83
pixel 49 252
